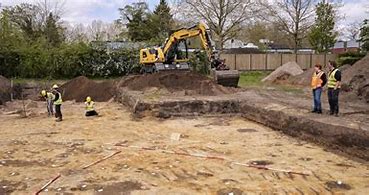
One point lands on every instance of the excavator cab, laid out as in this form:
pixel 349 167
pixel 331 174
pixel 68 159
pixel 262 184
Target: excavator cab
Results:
pixel 173 55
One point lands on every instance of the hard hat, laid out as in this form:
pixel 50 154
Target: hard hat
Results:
pixel 88 99
pixel 43 92
pixel 55 86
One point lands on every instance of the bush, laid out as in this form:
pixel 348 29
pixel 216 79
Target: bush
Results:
pixel 37 60
pixel 349 58
pixel 199 62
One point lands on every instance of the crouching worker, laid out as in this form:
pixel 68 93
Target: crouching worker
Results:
pixel 90 109
pixel 49 97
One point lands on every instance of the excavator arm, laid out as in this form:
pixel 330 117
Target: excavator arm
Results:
pixel 199 30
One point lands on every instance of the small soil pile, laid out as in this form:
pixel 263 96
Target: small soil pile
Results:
pixel 173 82
pixel 284 72
pixel 356 79
pixel 81 87
pixel 4 90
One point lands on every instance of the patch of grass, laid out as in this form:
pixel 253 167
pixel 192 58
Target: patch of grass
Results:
pixel 252 78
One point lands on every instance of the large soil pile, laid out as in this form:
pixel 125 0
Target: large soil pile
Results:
pixel 173 82
pixel 304 79
pixel 81 87
pixel 356 78
pixel 284 72
pixel 4 90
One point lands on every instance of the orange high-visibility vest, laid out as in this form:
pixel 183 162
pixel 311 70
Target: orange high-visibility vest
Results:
pixel 316 81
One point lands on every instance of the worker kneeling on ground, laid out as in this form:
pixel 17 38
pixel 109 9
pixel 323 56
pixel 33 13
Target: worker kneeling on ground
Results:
pixel 318 80
pixel 57 102
pixel 49 97
pixel 90 109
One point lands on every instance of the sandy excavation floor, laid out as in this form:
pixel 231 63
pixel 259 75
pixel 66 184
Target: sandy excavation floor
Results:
pixel 34 150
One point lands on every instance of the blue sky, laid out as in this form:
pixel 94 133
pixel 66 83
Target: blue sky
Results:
pixel 85 11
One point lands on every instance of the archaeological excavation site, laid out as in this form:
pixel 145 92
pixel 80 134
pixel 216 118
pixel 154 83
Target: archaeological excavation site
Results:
pixel 180 132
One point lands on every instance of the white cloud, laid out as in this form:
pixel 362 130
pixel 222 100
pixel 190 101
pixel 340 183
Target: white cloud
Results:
pixel 355 10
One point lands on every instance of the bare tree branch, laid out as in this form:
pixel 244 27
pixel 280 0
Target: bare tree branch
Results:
pixel 224 17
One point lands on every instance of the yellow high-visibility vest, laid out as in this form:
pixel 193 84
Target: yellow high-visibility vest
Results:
pixel 332 80
pixel 90 106
pixel 316 80
pixel 50 96
pixel 59 101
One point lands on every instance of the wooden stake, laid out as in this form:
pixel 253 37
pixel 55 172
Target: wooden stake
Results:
pixel 48 184
pixel 269 168
pixel 100 160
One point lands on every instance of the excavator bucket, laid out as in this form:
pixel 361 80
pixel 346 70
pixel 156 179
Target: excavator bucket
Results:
pixel 228 78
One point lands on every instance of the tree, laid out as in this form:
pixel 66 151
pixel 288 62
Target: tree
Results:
pixel 52 32
pixel 364 35
pixel 136 18
pixel 224 17
pixel 161 20
pixel 27 18
pixel 353 30
pixel 322 36
pixel 294 17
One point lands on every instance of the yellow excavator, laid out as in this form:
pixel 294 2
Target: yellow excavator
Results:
pixel 173 55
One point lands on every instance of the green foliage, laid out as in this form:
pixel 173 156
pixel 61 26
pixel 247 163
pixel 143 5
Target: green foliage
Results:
pixel 53 32
pixel 162 21
pixel 200 62
pixel 349 58
pixel 364 35
pixel 146 26
pixel 137 15
pixel 27 18
pixel 322 36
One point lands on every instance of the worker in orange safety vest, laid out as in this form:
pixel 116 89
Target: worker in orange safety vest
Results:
pixel 318 80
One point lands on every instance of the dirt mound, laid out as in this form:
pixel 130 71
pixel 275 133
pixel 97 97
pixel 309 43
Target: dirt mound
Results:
pixel 81 87
pixel 191 83
pixel 4 90
pixel 284 72
pixel 356 78
pixel 304 78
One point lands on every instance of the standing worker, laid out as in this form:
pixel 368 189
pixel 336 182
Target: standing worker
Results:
pixel 334 85
pixel 90 110
pixel 57 102
pixel 49 97
pixel 318 80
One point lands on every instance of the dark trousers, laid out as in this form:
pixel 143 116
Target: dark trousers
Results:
pixel 333 100
pixel 58 113
pixel 91 113
pixel 317 93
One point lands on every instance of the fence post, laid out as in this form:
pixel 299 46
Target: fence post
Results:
pixel 311 60
pixel 296 58
pixel 235 61
pixel 325 59
pixel 266 61
pixel 250 61
pixel 281 59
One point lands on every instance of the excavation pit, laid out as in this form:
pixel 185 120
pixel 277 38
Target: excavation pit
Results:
pixel 346 135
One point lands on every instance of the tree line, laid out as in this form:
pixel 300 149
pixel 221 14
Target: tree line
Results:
pixel 36 43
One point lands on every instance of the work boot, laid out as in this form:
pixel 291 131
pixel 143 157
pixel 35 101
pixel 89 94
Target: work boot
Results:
pixel 59 120
pixel 319 112
pixel 314 111
pixel 336 115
